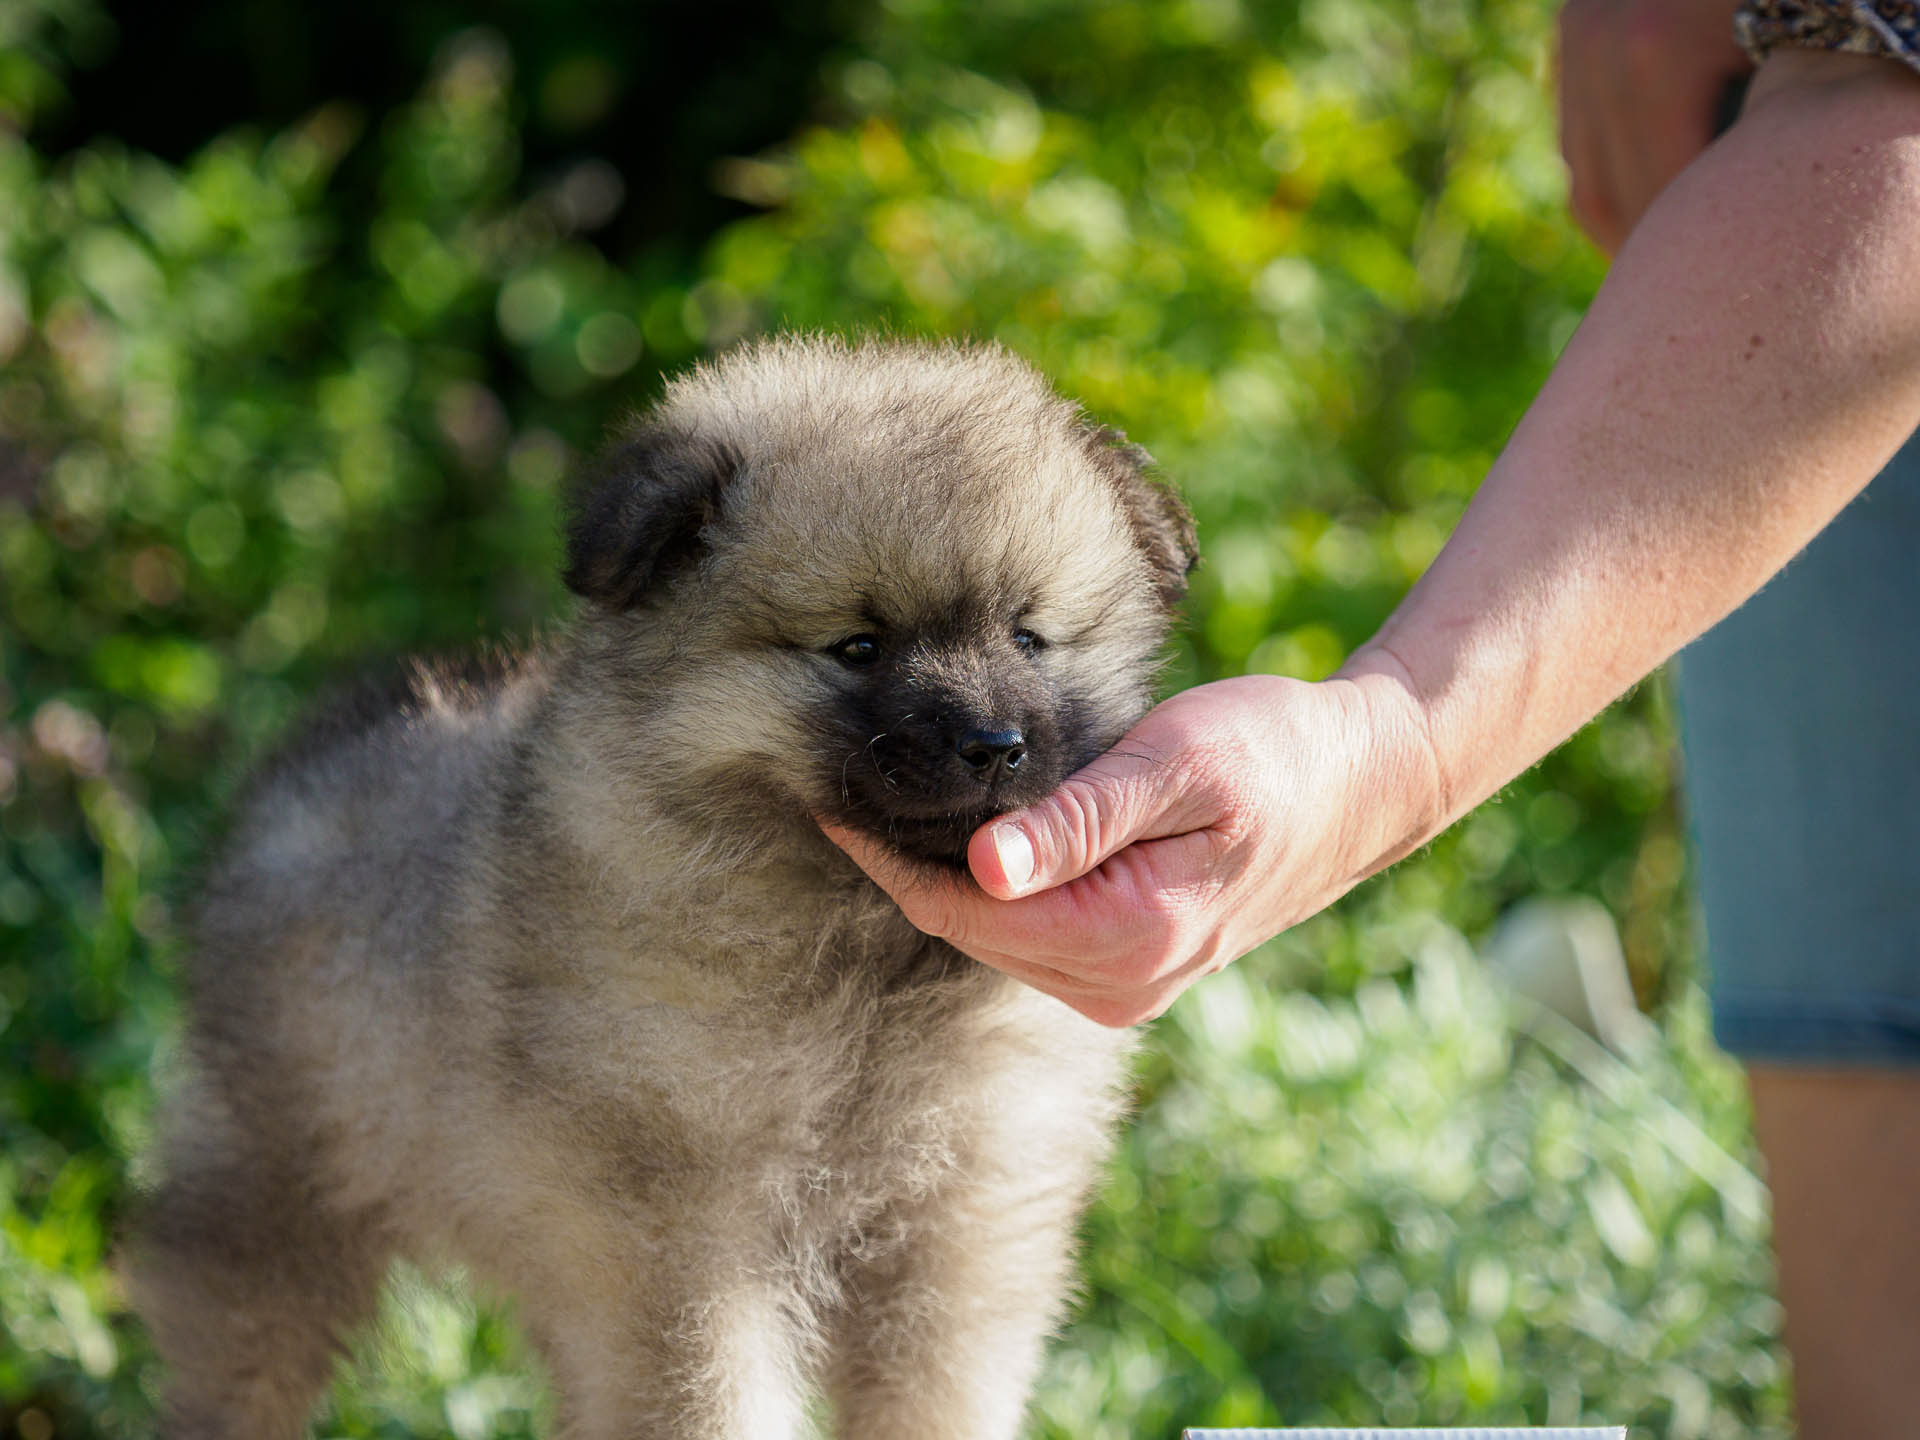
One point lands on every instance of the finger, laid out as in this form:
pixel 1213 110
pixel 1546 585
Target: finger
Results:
pixel 919 889
pixel 1127 924
pixel 942 909
pixel 1119 927
pixel 1123 1012
pixel 1004 934
pixel 1138 790
pixel 1115 973
pixel 1102 1004
pixel 1067 989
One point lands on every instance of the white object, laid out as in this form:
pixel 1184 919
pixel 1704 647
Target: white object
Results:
pixel 1564 953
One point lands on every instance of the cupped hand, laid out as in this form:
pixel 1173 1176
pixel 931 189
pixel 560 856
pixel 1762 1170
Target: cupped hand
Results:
pixel 1641 84
pixel 1229 813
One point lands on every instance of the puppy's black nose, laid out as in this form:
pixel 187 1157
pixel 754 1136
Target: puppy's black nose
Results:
pixel 991 754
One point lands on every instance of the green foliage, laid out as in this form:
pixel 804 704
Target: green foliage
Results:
pixel 1394 1208
pixel 1311 255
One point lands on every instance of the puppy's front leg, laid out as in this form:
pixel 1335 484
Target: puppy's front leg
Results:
pixel 941 1339
pixel 655 1365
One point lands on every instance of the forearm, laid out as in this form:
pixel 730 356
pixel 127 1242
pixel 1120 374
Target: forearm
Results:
pixel 1751 362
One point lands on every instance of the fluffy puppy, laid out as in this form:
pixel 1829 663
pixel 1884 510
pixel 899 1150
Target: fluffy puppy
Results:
pixel 550 972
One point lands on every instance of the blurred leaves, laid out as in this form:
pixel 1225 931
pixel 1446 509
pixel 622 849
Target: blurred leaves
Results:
pixel 305 398
pixel 1391 1207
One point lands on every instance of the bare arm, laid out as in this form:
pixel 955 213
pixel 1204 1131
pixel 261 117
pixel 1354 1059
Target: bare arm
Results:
pixel 1753 359
pixel 1751 362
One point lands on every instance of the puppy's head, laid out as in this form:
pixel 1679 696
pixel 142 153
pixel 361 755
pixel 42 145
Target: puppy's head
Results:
pixel 904 586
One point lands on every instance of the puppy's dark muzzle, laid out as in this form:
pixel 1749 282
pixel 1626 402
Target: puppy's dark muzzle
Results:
pixel 992 755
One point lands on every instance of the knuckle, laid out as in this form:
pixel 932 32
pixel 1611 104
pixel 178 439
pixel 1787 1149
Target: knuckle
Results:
pixel 1201 776
pixel 1196 763
pixel 1116 1013
pixel 1079 820
pixel 1158 1005
pixel 937 916
pixel 1193 729
pixel 1162 947
pixel 1171 961
pixel 1214 953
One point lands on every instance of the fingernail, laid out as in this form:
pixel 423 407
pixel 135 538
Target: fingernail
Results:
pixel 1014 851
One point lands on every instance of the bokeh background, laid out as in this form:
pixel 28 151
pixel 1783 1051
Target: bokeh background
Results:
pixel 305 311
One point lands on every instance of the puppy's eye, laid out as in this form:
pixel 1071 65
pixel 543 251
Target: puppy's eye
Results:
pixel 1027 640
pixel 857 650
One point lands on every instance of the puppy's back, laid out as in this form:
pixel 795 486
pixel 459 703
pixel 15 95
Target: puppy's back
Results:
pixel 330 895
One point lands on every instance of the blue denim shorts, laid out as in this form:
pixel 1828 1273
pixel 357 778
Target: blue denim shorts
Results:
pixel 1800 716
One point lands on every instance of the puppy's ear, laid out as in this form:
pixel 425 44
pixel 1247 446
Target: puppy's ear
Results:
pixel 638 512
pixel 1162 526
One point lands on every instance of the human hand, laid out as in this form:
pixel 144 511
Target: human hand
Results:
pixel 1229 813
pixel 1640 82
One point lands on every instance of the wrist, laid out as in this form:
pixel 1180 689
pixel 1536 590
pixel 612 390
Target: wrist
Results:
pixel 1399 725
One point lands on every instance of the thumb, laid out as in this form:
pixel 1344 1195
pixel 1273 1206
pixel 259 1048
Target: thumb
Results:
pixel 1130 793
